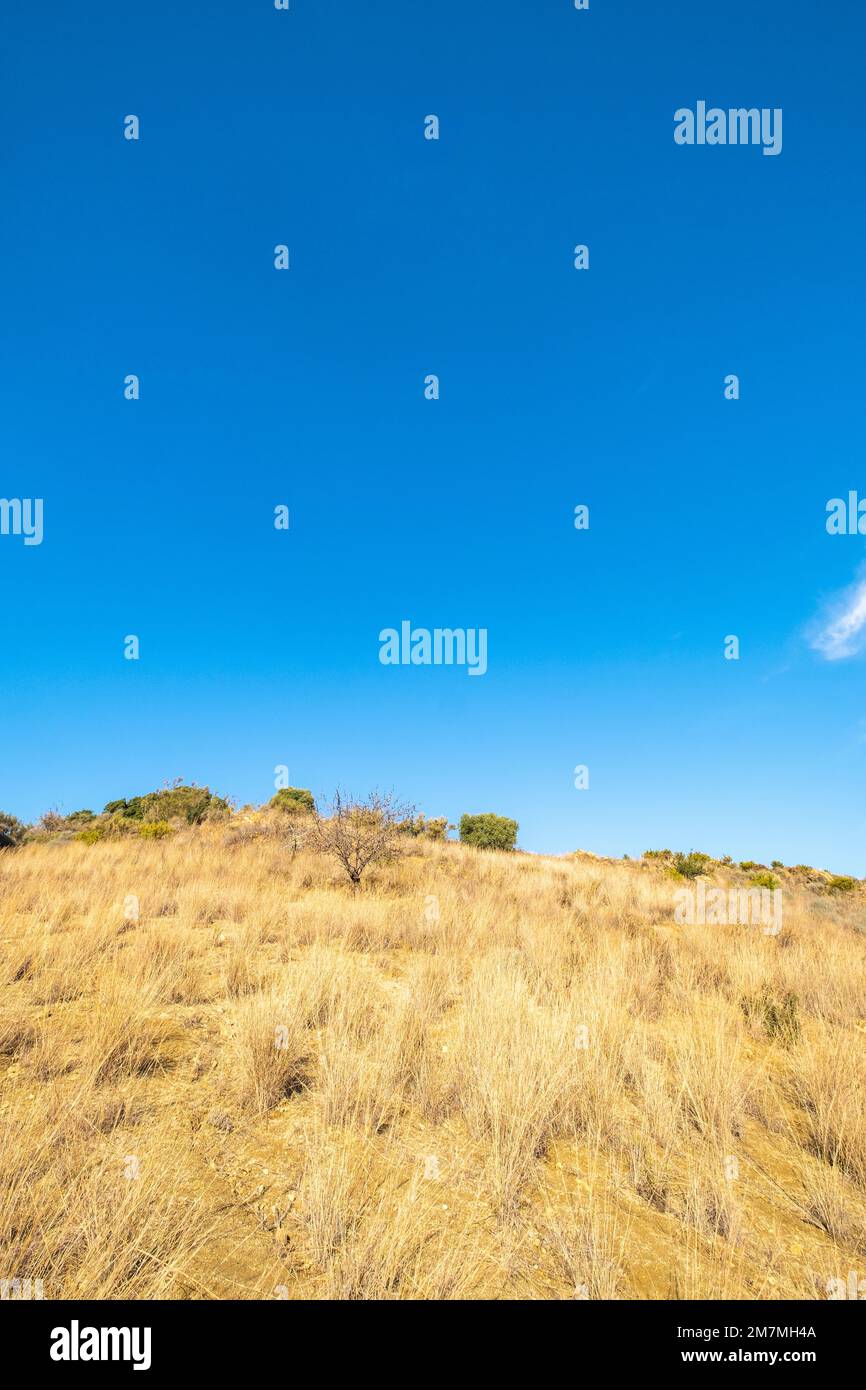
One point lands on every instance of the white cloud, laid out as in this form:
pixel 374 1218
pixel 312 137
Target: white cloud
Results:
pixel 841 630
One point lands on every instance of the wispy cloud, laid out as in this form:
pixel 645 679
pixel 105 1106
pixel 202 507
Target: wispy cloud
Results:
pixel 840 630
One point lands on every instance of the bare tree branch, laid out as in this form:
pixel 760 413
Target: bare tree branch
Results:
pixel 360 833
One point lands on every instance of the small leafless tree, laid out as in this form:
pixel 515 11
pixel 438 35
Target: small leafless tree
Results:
pixel 298 832
pixel 360 833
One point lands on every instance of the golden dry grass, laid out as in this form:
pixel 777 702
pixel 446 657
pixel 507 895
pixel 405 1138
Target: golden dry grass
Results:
pixel 484 1076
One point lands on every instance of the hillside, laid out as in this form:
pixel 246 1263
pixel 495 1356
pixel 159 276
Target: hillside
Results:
pixel 485 1075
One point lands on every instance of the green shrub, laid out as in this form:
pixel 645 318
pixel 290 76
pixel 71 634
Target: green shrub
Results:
pixel 129 810
pixel 776 864
pixel 192 804
pixel 777 1015
pixel 841 883
pixel 488 831
pixel 178 802
pixel 747 865
pixel 118 825
pixel 154 829
pixel 764 880
pixel 691 864
pixel 294 801
pixel 93 835
pixel 658 854
pixel 420 827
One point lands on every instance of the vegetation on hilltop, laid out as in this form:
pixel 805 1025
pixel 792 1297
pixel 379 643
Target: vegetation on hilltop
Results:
pixel 488 831
pixel 158 814
pixel 294 801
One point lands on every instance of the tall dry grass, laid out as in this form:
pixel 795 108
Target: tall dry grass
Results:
pixel 482 1076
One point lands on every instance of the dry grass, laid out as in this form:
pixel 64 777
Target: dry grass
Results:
pixel 484 1076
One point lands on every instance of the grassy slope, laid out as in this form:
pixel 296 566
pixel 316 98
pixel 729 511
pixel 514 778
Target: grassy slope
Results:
pixel 428 1126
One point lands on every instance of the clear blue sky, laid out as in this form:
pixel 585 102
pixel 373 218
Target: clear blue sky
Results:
pixel 408 257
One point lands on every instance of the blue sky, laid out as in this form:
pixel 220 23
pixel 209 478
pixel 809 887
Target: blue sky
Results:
pixel 558 387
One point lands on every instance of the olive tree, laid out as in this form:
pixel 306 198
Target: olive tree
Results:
pixel 488 831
